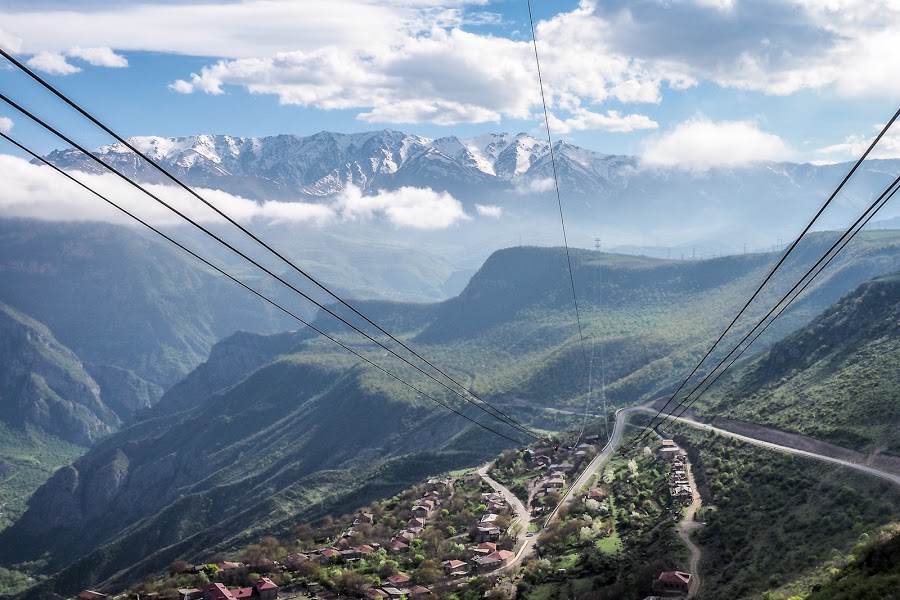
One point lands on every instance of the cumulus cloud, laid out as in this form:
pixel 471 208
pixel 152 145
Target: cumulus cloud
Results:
pixel 489 210
pixel 583 119
pixel 53 63
pixel 418 208
pixel 6 124
pixel 413 61
pixel 699 144
pixel 855 144
pixel 34 191
pixel 99 57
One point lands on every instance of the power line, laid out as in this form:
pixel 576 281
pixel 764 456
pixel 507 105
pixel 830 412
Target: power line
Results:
pixel 556 182
pixel 209 233
pixel 807 278
pixel 497 412
pixel 253 291
pixel 768 277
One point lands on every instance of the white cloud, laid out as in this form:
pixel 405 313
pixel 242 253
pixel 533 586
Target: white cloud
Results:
pixel 854 145
pixel 583 119
pixel 99 56
pixel 9 42
pixel 489 210
pixel 418 208
pixel 534 186
pixel 699 144
pixel 6 124
pixel 34 191
pixel 52 63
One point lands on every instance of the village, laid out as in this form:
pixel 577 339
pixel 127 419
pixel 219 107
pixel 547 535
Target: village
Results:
pixel 447 535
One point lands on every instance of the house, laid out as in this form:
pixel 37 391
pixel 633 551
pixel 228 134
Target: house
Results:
pixel 375 594
pixel 485 563
pixel 185 594
pixel 565 467
pixel 455 568
pixel 672 583
pixel 329 554
pixel 420 511
pixel 485 548
pixel 416 523
pixel 393 592
pixel 556 483
pixel 595 494
pixel 489 518
pixel 364 550
pixel 91 595
pixel 502 555
pixel 591 439
pixel 265 589
pixel 487 534
pixel 217 591
pixel 417 591
pixel 397 547
pixel 682 492
pixel 399 579
pixel 364 517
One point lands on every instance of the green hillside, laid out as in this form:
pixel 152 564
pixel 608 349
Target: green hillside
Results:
pixel 835 379
pixel 276 430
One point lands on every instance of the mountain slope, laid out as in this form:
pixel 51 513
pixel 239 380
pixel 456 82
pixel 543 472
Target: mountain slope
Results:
pixel 835 379
pixel 43 384
pixel 119 299
pixel 298 437
pixel 256 439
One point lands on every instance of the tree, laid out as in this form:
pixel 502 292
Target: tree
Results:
pixel 180 566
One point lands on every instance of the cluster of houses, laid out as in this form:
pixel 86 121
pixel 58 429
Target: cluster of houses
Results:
pixel 679 485
pixel 555 466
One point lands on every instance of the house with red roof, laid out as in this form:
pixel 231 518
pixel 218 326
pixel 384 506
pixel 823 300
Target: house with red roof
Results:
pixel 672 583
pixel 399 579
pixel 456 568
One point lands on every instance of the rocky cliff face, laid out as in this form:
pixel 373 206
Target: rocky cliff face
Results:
pixel 44 384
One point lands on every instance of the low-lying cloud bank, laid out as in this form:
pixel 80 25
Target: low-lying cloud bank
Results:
pixel 34 191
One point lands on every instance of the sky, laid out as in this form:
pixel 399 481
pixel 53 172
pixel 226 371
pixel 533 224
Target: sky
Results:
pixel 674 81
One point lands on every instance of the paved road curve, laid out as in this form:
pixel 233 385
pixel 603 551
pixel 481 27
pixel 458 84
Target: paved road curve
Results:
pixel 772 446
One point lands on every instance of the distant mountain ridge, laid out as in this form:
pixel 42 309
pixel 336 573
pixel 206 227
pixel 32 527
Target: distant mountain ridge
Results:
pixel 616 197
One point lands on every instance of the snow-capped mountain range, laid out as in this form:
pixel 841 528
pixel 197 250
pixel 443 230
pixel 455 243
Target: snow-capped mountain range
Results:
pixel 615 197
pixel 325 163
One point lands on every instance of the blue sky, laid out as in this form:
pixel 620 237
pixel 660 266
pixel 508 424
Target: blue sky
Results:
pixel 674 81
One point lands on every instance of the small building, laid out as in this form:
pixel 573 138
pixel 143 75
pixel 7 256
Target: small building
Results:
pixel 399 579
pixel 595 494
pixel 375 594
pixel 672 583
pixel 217 591
pixel 486 563
pixel 186 594
pixel 485 548
pixel 393 592
pixel 420 511
pixel 455 568
pixel 397 546
pixel 556 483
pixel 91 595
pixel 487 534
pixel 504 556
pixel 364 517
pixel 418 591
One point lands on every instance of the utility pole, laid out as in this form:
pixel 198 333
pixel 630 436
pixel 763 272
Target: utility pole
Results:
pixel 597 244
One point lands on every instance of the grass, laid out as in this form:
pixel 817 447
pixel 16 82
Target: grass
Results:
pixel 611 545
